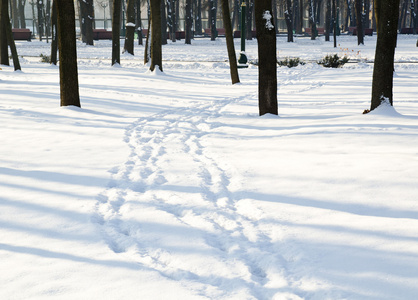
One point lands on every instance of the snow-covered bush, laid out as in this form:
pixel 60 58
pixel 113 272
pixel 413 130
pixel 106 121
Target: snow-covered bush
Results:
pixel 333 61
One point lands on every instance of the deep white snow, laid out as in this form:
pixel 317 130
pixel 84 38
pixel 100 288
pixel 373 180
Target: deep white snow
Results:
pixel 170 186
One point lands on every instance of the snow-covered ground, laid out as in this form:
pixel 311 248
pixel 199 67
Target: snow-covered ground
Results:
pixel 170 186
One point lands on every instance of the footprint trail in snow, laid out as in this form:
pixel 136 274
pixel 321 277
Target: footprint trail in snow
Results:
pixel 170 208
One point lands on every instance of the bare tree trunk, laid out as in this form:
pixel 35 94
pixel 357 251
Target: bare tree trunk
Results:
pixel 328 21
pixel 54 42
pixel 138 21
pixel 334 21
pixel 21 8
pixel 359 21
pixel 212 20
pixel 189 22
pixel 382 87
pixel 4 50
pixel 130 27
pixel 87 19
pixel 198 18
pixel 67 53
pixel 289 17
pixel 230 42
pixel 117 6
pixel 163 24
pixel 11 42
pixel 267 61
pixel 156 49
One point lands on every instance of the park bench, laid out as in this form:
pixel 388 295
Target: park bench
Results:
pixel 320 30
pixel 22 34
pixel 407 30
pixel 102 34
pixel 353 31
pixel 220 32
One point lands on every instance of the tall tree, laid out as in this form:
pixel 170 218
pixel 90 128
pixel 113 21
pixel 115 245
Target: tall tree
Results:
pixel 328 20
pixel 117 6
pixel 188 22
pixel 212 19
pixel 7 32
pixel 15 13
pixel 4 51
pixel 40 7
pixel 54 43
pixel 288 15
pixel 156 48
pixel 248 22
pixel 382 87
pixel 21 8
pixel 198 18
pixel 230 42
pixel 68 53
pixel 312 21
pixel 267 61
pixel 130 27
pixel 87 20
pixel 163 24
pixel 359 21
pixel 138 21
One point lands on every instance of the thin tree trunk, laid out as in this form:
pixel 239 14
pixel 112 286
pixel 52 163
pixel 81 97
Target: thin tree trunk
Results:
pixel 212 20
pixel 39 5
pixel 289 17
pixel 198 18
pixel 230 42
pixel 328 21
pixel 54 42
pixel 334 21
pixel 267 61
pixel 382 87
pixel 139 21
pixel 163 24
pixel 15 13
pixel 156 49
pixel 11 42
pixel 130 28
pixel 67 53
pixel 359 21
pixel 189 22
pixel 4 50
pixel 21 8
pixel 147 51
pixel 116 32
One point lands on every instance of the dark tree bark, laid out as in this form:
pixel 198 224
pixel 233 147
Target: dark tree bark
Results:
pixel 334 21
pixel 67 53
pixel 4 50
pixel 138 21
pixel 163 24
pixel 87 19
pixel 359 21
pixel 267 61
pixel 312 21
pixel 289 17
pixel 147 51
pixel 198 18
pixel 9 35
pixel 54 43
pixel 230 42
pixel 296 12
pixel 328 21
pixel 39 6
pixel 250 12
pixel 117 5
pixel 382 87
pixel 130 27
pixel 15 13
pixel 156 48
pixel 212 19
pixel 173 28
pixel 21 8
pixel 189 22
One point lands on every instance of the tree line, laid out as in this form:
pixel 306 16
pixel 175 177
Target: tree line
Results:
pixel 386 14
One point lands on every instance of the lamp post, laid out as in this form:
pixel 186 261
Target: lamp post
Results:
pixel 242 61
pixel 104 5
